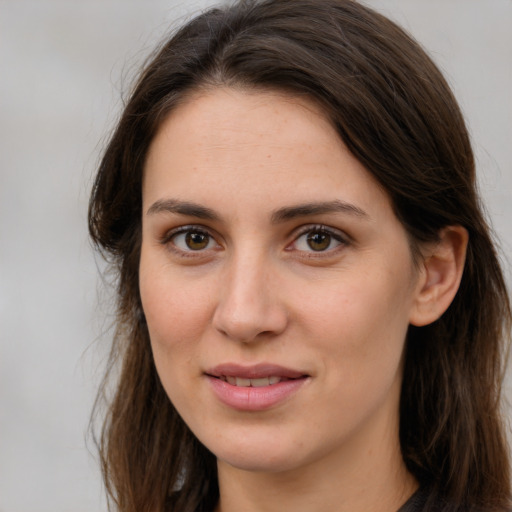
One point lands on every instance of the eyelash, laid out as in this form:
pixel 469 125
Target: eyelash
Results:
pixel 334 234
pixel 169 238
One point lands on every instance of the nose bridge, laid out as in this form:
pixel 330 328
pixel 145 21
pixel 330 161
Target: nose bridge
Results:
pixel 249 305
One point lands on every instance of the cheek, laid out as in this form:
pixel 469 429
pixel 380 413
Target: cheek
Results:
pixel 357 307
pixel 176 312
pixel 176 316
pixel 359 326
pixel 359 335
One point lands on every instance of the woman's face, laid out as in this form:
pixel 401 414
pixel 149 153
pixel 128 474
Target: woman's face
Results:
pixel 276 281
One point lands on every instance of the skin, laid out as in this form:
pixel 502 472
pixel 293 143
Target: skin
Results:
pixel 253 290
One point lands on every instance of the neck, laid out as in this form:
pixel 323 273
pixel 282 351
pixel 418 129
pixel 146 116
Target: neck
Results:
pixel 257 492
pixel 368 475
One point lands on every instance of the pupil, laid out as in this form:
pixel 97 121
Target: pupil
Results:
pixel 319 241
pixel 196 241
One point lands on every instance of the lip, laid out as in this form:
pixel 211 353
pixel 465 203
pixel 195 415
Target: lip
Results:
pixel 254 398
pixel 257 371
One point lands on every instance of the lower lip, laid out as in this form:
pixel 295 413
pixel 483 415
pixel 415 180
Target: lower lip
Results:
pixel 254 398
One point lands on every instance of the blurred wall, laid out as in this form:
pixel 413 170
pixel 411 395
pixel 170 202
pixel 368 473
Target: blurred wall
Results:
pixel 63 66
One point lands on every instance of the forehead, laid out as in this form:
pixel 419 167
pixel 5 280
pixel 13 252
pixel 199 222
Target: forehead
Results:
pixel 256 145
pixel 234 117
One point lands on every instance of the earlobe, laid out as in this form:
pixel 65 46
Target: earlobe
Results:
pixel 440 276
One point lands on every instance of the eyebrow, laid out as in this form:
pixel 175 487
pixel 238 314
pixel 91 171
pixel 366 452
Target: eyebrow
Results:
pixel 304 210
pixel 285 214
pixel 182 208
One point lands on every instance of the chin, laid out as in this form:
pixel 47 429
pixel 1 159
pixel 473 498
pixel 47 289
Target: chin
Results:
pixel 258 452
pixel 259 461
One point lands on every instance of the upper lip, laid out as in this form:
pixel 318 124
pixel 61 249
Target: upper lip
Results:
pixel 257 371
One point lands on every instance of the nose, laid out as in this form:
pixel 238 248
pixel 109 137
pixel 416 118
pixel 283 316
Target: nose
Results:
pixel 249 306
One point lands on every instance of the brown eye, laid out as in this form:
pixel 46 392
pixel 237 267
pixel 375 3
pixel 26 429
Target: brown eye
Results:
pixel 318 241
pixel 196 241
pixel 192 240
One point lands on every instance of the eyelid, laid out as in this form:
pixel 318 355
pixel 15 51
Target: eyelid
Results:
pixel 166 239
pixel 337 234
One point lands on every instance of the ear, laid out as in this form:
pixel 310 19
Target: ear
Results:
pixel 439 276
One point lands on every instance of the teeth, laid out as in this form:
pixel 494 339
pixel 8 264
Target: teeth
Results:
pixel 259 383
pixel 254 383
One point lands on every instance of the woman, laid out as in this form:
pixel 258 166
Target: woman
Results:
pixel 312 315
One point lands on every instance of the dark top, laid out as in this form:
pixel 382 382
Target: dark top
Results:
pixel 415 502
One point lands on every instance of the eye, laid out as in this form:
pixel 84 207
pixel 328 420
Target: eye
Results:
pixel 318 239
pixel 190 239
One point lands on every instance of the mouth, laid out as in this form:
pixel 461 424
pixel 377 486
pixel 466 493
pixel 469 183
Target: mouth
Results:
pixel 254 388
pixel 255 376
pixel 253 383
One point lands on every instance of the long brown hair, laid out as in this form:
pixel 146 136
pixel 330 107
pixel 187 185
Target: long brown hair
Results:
pixel 396 114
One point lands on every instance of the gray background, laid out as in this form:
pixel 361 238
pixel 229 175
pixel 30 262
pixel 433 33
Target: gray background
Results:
pixel 63 66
